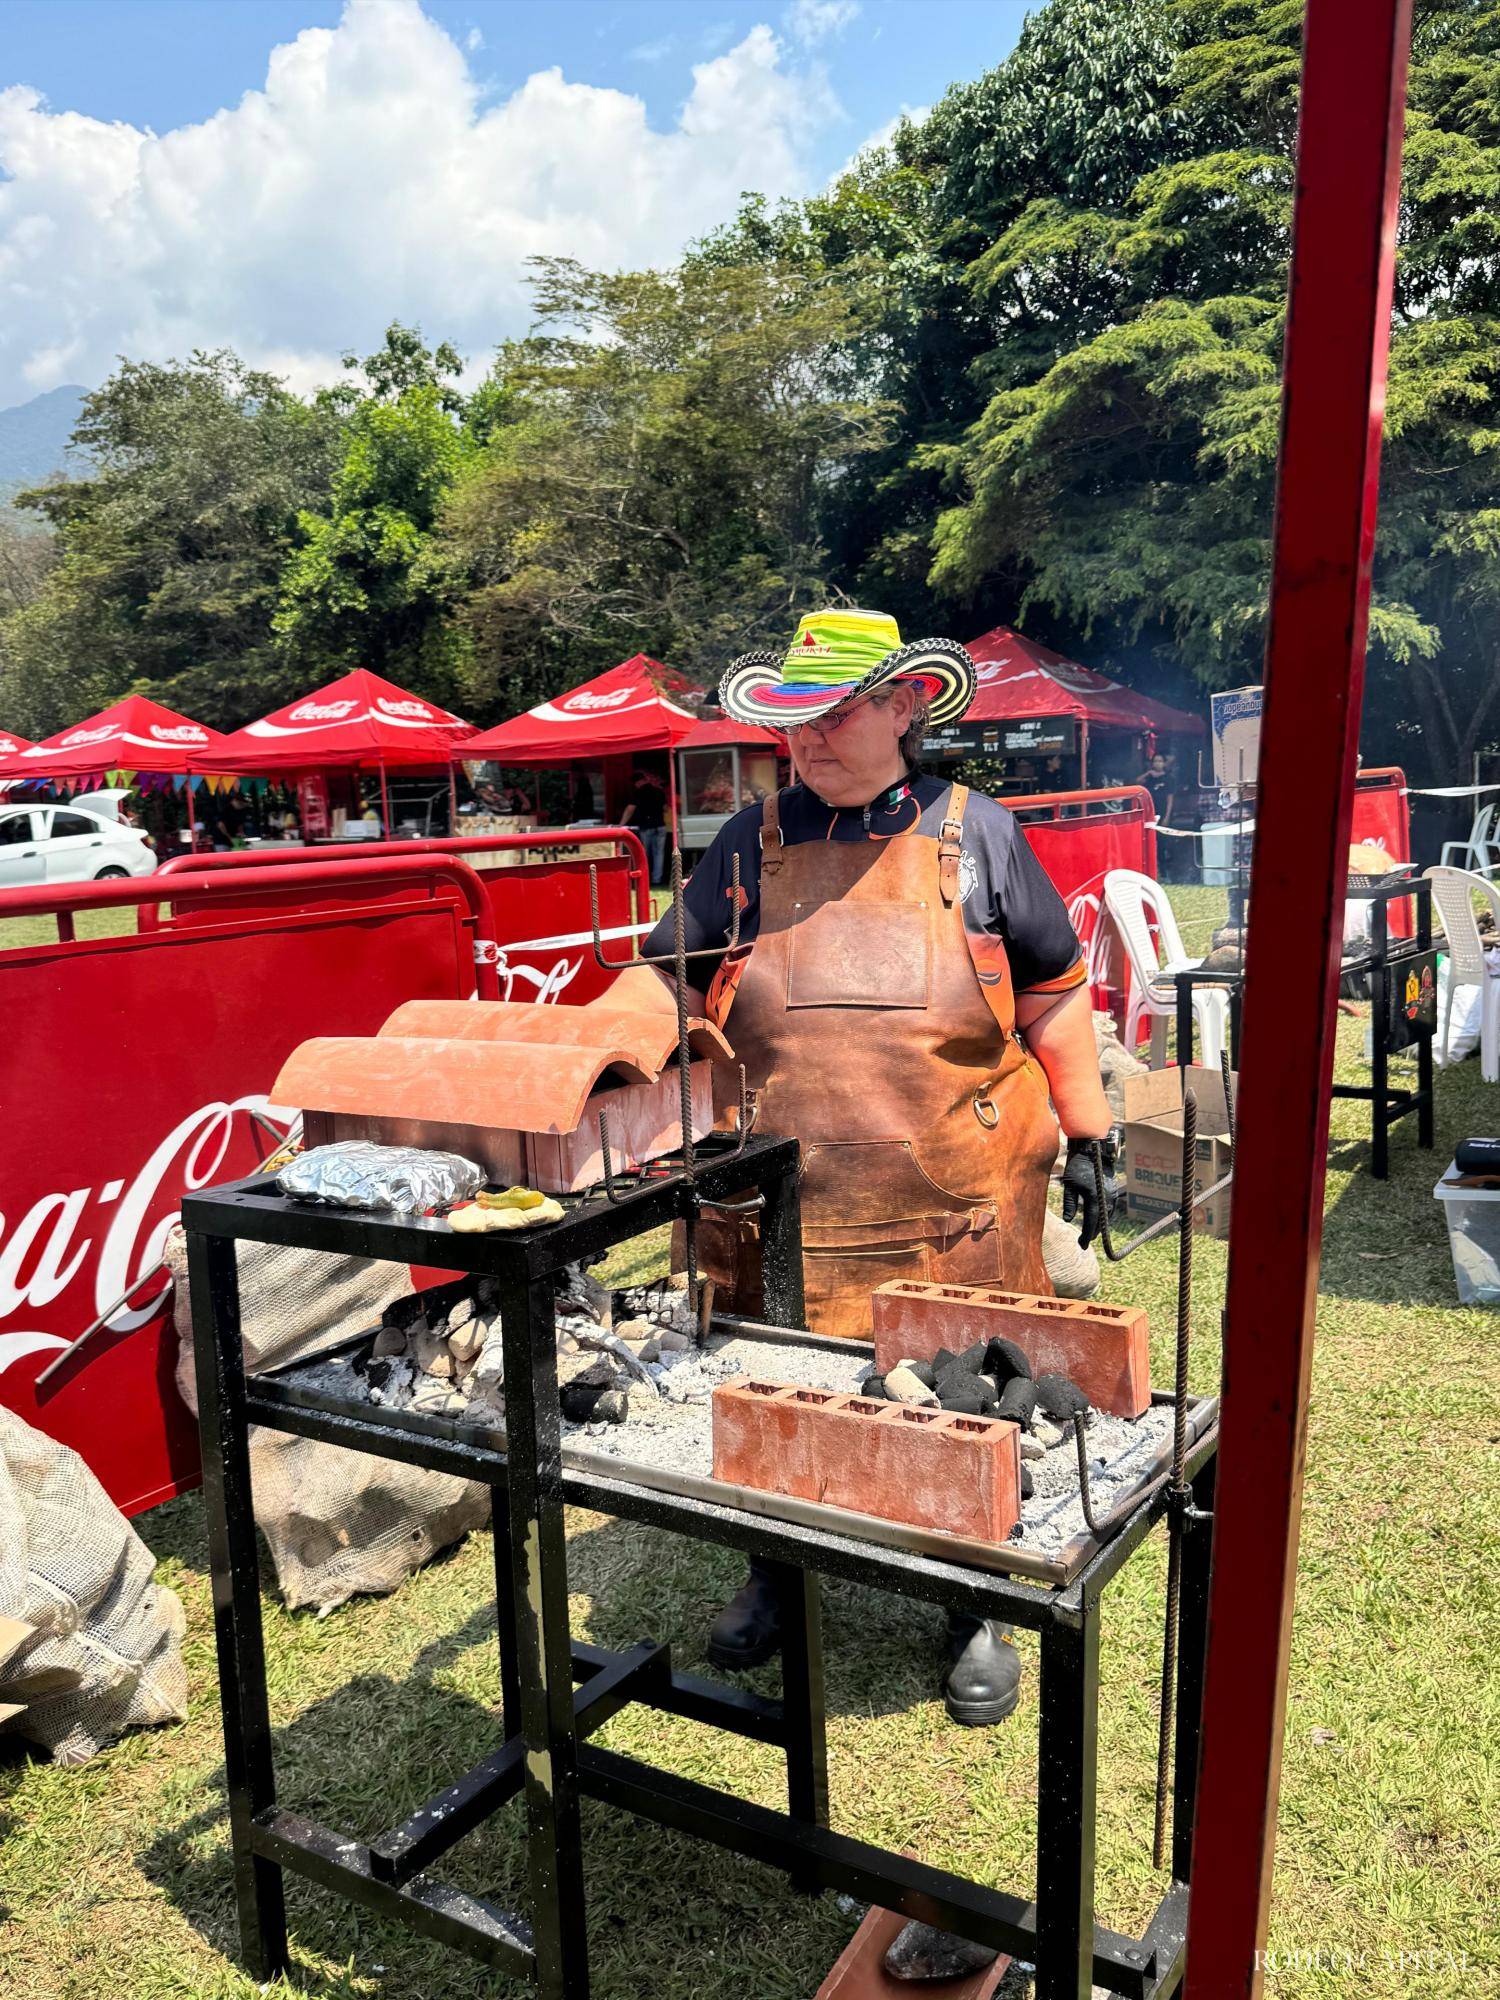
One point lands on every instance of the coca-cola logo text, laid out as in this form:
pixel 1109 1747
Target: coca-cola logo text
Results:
pixel 418 711
pixel 591 701
pixel 323 711
pixel 178 732
pixel 77 738
pixel 120 1224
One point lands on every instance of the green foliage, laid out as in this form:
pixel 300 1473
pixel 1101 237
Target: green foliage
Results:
pixel 168 553
pixel 1130 480
pixel 1022 361
pixel 651 481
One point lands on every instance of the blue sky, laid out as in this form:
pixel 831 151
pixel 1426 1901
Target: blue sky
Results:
pixel 284 176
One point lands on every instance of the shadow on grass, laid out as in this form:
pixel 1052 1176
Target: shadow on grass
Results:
pixel 363 1757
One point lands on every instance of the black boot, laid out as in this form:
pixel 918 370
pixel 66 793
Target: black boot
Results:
pixel 748 1630
pixel 984 1680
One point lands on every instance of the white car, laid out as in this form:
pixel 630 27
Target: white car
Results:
pixel 43 844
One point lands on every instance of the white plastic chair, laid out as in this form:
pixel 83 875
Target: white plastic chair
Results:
pixel 1138 905
pixel 1480 851
pixel 1453 891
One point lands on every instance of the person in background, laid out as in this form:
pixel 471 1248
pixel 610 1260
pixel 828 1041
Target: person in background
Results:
pixel 1157 779
pixel 647 813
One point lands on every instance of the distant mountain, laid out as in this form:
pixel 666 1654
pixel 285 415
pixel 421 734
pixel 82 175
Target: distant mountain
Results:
pixel 34 437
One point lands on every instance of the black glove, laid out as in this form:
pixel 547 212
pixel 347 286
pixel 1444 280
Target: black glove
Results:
pixel 1081 1191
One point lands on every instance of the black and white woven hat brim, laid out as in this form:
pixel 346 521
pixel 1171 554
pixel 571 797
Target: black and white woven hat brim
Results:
pixel 754 690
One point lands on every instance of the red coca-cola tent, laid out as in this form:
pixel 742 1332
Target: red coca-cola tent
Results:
pixel 135 734
pixel 1021 680
pixel 357 722
pixel 12 745
pixel 624 709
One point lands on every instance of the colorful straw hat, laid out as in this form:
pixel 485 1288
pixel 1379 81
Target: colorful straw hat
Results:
pixel 837 656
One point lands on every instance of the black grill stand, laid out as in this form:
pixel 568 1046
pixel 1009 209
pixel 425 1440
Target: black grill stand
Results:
pixel 546 1719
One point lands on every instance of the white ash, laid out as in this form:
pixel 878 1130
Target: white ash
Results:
pixel 669 1426
pixel 675 1433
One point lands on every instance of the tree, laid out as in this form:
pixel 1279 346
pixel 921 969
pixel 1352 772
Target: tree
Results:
pixel 650 478
pixel 1131 477
pixel 1080 106
pixel 361 588
pixel 169 550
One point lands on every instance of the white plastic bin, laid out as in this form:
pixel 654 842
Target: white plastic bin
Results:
pixel 1473 1217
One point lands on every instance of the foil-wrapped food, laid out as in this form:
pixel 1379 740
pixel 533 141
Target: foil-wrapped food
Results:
pixel 356 1173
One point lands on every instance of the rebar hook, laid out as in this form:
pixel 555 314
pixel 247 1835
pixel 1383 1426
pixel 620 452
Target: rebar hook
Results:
pixel 670 957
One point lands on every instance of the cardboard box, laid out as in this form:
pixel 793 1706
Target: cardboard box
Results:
pixel 1153 1144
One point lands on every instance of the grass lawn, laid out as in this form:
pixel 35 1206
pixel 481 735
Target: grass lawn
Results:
pixel 18 931
pixel 116 1878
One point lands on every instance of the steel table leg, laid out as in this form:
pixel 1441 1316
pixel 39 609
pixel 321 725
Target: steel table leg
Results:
pixel 539 1588
pixel 1380 1130
pixel 1184 1024
pixel 781 1252
pixel 802 1697
pixel 249 1775
pixel 1066 1757
pixel 505 1615
pixel 1192 1652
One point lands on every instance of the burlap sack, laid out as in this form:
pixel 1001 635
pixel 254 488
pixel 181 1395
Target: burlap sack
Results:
pixel 337 1522
pixel 105 1654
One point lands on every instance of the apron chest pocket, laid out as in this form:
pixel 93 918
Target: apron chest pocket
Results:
pixel 855 954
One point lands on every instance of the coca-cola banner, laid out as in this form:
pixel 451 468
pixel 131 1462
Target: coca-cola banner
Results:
pixel 129 1072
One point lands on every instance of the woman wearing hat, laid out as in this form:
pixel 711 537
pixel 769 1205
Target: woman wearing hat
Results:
pixel 896 933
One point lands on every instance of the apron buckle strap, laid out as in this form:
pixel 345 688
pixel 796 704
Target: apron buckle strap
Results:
pixel 985 1111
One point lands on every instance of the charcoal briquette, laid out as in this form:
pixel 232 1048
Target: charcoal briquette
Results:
pixel 1017 1401
pixel 1059 1398
pixel 1005 1361
pixel 959 1391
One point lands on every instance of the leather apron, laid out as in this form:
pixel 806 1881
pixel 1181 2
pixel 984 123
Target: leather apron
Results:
pixel 926 1132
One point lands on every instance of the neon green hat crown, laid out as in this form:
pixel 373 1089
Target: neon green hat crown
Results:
pixel 831 648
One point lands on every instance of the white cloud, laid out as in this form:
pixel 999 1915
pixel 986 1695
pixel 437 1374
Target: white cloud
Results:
pixel 812 21
pixel 368 180
pixel 474 40
pixel 653 52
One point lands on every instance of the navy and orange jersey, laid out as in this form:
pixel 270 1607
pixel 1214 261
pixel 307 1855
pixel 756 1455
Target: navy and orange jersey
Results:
pixel 1019 933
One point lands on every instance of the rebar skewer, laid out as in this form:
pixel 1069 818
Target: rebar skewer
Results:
pixel 1085 1496
pixel 1178 1481
pixel 674 958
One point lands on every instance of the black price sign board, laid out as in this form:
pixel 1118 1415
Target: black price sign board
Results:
pixel 1411 999
pixel 1039 736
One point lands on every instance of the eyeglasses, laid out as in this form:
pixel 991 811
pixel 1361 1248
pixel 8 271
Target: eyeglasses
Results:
pixel 830 723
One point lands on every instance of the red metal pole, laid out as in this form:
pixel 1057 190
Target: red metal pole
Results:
pixel 1343 250
pixel 385 805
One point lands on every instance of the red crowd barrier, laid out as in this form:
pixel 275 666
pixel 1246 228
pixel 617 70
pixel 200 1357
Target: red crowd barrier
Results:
pixel 1078 837
pixel 137 1068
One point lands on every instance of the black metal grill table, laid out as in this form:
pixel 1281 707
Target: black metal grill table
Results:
pixel 555 1693
pixel 1393 1026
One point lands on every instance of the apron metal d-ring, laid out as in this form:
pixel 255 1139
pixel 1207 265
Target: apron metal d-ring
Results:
pixel 987 1113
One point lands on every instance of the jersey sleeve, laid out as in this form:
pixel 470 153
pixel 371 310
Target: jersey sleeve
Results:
pixel 705 897
pixel 1009 895
pixel 1045 955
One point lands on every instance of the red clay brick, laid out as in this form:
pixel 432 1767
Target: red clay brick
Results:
pixel 929 1468
pixel 1104 1349
pixel 860 1973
